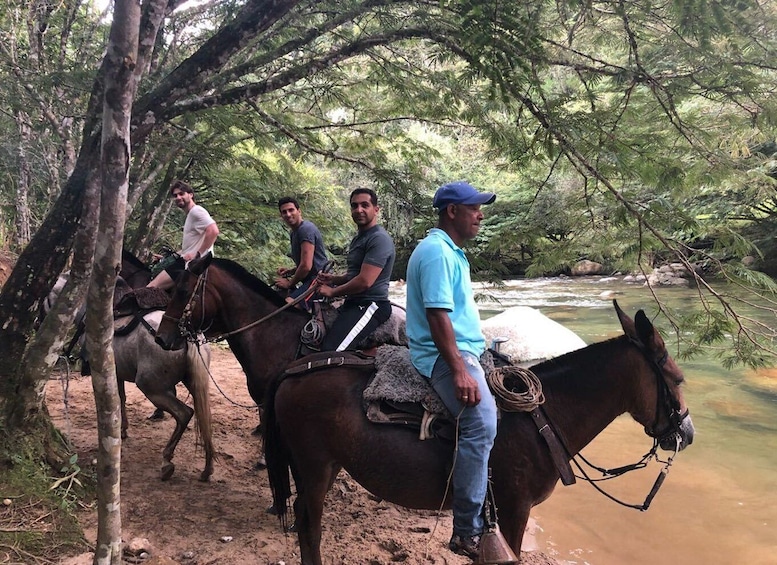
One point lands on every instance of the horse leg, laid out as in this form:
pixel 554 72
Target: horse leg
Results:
pixel 123 399
pixel 261 463
pixel 197 381
pixel 168 402
pixel 512 523
pixel 309 508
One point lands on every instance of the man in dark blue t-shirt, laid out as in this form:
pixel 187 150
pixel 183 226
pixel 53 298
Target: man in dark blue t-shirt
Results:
pixel 365 284
pixel 307 250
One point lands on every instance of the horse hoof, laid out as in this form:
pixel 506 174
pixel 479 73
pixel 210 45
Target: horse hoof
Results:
pixel 205 476
pixel 260 463
pixel 158 414
pixel 272 510
pixel 257 431
pixel 167 471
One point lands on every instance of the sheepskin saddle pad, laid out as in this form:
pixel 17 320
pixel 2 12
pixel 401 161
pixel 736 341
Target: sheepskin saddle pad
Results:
pixel 141 300
pixel 397 393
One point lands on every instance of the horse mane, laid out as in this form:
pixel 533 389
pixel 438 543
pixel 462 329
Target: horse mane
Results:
pixel 130 258
pixel 249 280
pixel 578 362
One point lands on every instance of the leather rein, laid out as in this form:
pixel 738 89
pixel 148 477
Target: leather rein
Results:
pixel 664 399
pixel 189 331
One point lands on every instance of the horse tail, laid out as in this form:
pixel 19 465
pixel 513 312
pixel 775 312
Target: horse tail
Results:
pixel 276 455
pixel 197 362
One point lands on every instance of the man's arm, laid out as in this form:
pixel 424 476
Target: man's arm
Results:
pixel 361 282
pixel 307 250
pixel 445 340
pixel 299 272
pixel 211 233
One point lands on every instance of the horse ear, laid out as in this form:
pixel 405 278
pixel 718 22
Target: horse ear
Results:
pixel 626 323
pixel 645 329
pixel 198 265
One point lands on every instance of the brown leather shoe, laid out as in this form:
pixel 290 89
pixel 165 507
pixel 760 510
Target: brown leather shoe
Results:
pixel 465 545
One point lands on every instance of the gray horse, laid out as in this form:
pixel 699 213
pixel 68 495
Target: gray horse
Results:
pixel 156 372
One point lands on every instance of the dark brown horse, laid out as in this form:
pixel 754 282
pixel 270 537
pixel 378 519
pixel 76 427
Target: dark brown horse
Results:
pixel 221 298
pixel 315 425
pixel 227 300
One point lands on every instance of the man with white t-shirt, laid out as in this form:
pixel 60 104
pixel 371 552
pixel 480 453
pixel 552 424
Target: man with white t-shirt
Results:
pixel 199 234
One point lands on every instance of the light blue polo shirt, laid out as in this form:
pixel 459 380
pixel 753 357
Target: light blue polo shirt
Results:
pixel 438 277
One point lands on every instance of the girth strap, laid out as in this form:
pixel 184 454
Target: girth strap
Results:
pixel 557 451
pixel 328 359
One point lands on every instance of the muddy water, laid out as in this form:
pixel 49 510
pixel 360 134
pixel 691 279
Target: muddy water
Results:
pixel 719 502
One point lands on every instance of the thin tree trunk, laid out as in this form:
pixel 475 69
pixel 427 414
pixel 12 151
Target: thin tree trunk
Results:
pixel 153 216
pixel 23 186
pixel 120 87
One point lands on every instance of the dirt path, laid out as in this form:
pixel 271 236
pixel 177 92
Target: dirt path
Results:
pixel 224 521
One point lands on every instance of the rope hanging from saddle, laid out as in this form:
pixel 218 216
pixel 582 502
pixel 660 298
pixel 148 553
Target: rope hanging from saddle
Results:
pixel 507 382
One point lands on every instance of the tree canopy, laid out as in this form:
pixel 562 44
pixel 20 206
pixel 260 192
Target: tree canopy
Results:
pixel 623 131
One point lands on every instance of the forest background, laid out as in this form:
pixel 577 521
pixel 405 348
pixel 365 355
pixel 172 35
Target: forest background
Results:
pixel 627 132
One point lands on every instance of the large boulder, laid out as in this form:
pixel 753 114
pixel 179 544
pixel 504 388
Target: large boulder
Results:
pixel 586 268
pixel 532 336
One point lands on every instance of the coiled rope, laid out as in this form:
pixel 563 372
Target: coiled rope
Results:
pixel 507 384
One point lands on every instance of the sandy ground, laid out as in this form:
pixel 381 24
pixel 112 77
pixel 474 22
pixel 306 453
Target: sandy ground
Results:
pixel 225 521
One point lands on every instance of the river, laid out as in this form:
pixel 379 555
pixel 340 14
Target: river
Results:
pixel 718 505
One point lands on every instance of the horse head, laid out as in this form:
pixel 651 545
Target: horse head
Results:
pixel 666 419
pixel 185 313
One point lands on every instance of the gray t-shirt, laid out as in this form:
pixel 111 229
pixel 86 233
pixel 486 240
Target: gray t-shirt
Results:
pixel 307 231
pixel 374 247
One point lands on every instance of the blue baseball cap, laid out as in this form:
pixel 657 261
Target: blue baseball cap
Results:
pixel 460 192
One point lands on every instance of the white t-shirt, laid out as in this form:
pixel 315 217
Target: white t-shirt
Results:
pixel 197 220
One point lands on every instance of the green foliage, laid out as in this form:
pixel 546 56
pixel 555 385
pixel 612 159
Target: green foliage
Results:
pixel 627 133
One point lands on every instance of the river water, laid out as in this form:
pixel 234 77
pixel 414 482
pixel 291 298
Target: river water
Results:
pixel 718 505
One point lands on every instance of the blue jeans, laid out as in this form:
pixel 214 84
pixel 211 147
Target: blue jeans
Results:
pixel 477 430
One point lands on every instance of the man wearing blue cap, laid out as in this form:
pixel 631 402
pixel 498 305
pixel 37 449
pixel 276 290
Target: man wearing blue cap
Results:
pixel 446 342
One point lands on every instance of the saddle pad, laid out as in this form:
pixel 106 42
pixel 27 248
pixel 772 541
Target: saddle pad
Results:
pixel 143 299
pixel 397 380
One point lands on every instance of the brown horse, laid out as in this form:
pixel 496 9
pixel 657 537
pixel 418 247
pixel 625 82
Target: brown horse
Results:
pixel 221 298
pixel 316 425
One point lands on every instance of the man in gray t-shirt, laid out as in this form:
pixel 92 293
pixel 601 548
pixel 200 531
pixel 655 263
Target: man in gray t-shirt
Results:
pixel 307 250
pixel 366 281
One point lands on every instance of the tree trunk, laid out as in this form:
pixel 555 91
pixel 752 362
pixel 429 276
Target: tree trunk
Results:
pixel 120 87
pixel 153 216
pixel 23 187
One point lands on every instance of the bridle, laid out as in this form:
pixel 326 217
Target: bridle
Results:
pixel 190 332
pixel 185 326
pixel 664 400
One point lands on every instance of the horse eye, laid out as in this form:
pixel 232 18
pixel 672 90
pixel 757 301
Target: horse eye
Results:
pixel 676 378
